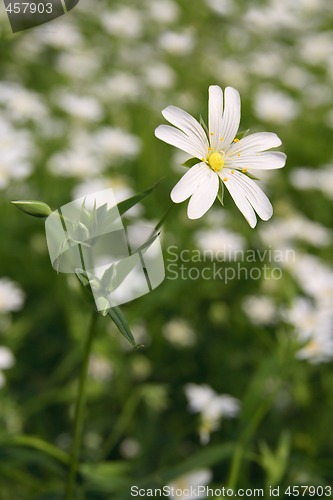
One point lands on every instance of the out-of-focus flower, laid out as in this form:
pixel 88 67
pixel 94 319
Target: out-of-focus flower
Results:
pixel 308 320
pixel 178 332
pixel 15 161
pixel 21 104
pixel 81 107
pixel 129 448
pixel 303 178
pixel 222 157
pixel 261 310
pixel 115 143
pixel 275 106
pixel 318 349
pixel 159 76
pixel 220 241
pixel 211 406
pixel 180 44
pixel 123 22
pixel 165 11
pixel 7 359
pixel 122 87
pixel 183 484
pixel 100 368
pixel 221 7
pixel 11 296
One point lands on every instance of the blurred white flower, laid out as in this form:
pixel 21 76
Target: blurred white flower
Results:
pixel 179 333
pixel 302 178
pixel 183 484
pixel 180 44
pixel 318 349
pixel 76 162
pixel 129 448
pixel 308 319
pixel 78 64
pixel 211 406
pixel 21 104
pixel 295 227
pixel 316 48
pixel 81 107
pixel 64 36
pixel 100 368
pixel 261 310
pixel 275 106
pixel 7 359
pixel 220 241
pixel 11 296
pixel 15 161
pixel 122 87
pixel 165 11
pixel 123 22
pixel 222 159
pixel 221 7
pixel 115 143
pixel 159 75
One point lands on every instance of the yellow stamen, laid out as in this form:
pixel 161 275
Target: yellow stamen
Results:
pixel 212 133
pixel 232 171
pixel 244 170
pixel 225 179
pixel 238 154
pixel 216 161
pixel 221 139
pixel 209 149
pixel 236 140
pixel 203 159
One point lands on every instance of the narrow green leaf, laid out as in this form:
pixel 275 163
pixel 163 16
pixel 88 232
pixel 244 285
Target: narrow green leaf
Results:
pixel 37 444
pixel 119 320
pixel 190 162
pixel 242 134
pixel 125 205
pixel 33 207
pixel 220 193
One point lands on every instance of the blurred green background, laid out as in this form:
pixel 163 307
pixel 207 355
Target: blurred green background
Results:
pixel 79 101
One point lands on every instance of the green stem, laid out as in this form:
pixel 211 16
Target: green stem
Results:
pixel 244 440
pixel 79 412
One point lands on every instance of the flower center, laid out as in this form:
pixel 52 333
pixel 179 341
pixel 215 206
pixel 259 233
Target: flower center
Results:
pixel 216 161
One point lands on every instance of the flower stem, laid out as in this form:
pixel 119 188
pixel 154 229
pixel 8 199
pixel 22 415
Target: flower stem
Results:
pixel 79 412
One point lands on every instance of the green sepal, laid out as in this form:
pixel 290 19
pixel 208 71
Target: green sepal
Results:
pixel 190 162
pixel 251 176
pixel 119 320
pixel 33 207
pixel 220 193
pixel 242 134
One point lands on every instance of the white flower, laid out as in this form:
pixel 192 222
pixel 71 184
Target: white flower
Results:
pixel 261 310
pixel 211 406
pixel 180 488
pixel 11 296
pixel 222 157
pixel 178 332
pixel 275 106
pixel 7 359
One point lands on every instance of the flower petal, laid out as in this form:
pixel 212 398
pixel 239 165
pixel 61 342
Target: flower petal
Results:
pixel 231 116
pixel 187 124
pixel 237 192
pixel 215 111
pixel 176 138
pixel 259 161
pixel 190 182
pixel 255 143
pixel 204 197
pixel 255 196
